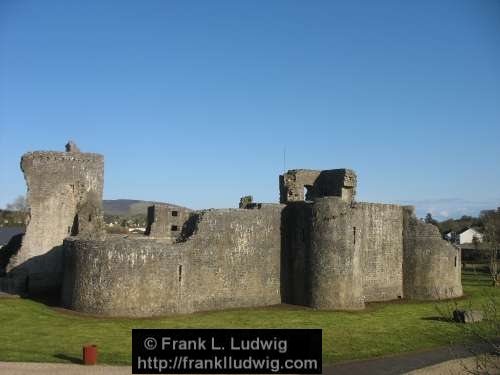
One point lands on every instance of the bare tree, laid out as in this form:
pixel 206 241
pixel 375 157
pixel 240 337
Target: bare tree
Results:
pixel 482 346
pixel 491 222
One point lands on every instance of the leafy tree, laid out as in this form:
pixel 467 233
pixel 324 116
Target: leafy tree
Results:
pixel 246 201
pixel 457 225
pixel 429 219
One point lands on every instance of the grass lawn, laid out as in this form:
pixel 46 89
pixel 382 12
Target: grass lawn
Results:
pixel 33 332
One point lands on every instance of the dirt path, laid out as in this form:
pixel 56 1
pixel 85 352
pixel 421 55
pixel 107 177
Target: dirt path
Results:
pixel 442 359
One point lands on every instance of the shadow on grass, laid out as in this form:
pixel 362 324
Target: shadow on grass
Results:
pixel 439 319
pixel 68 358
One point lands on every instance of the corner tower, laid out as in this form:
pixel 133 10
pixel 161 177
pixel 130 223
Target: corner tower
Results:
pixel 65 199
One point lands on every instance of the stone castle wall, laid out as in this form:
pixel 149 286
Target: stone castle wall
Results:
pixel 336 267
pixel 326 254
pixel 231 259
pixel 432 267
pixel 357 253
pixel 320 249
pixel 339 255
pixel 378 229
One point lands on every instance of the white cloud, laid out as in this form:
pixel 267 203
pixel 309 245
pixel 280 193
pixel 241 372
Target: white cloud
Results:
pixel 442 209
pixel 444 213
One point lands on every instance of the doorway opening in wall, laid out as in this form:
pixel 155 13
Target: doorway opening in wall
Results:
pixel 307 193
pixel 74 227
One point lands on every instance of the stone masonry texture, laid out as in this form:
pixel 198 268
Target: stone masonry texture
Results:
pixel 231 260
pixel 305 184
pixel 431 265
pixel 64 196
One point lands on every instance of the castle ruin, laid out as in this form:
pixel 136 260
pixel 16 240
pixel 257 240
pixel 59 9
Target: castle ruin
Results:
pixel 318 247
pixel 65 199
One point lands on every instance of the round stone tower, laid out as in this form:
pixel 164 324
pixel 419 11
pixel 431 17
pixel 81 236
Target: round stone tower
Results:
pixel 336 278
pixel 432 267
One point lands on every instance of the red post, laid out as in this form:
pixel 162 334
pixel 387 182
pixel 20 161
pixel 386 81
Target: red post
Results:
pixel 90 354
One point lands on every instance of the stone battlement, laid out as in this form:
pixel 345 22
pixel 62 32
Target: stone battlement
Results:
pixel 53 156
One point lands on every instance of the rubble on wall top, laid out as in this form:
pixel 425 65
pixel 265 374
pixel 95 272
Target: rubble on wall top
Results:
pixel 72 147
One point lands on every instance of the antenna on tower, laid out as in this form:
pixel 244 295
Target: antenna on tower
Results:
pixel 284 159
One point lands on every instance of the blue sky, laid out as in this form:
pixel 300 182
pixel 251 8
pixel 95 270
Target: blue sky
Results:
pixel 193 102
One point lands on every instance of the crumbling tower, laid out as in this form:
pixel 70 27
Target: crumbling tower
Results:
pixel 65 199
pixel 305 184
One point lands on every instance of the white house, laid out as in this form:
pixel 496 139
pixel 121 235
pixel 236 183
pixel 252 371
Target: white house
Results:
pixel 467 235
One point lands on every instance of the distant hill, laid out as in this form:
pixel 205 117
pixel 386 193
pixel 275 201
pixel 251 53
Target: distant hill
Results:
pixel 13 218
pixel 128 207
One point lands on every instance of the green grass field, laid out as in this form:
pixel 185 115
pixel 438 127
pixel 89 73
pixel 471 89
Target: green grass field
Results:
pixel 33 332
